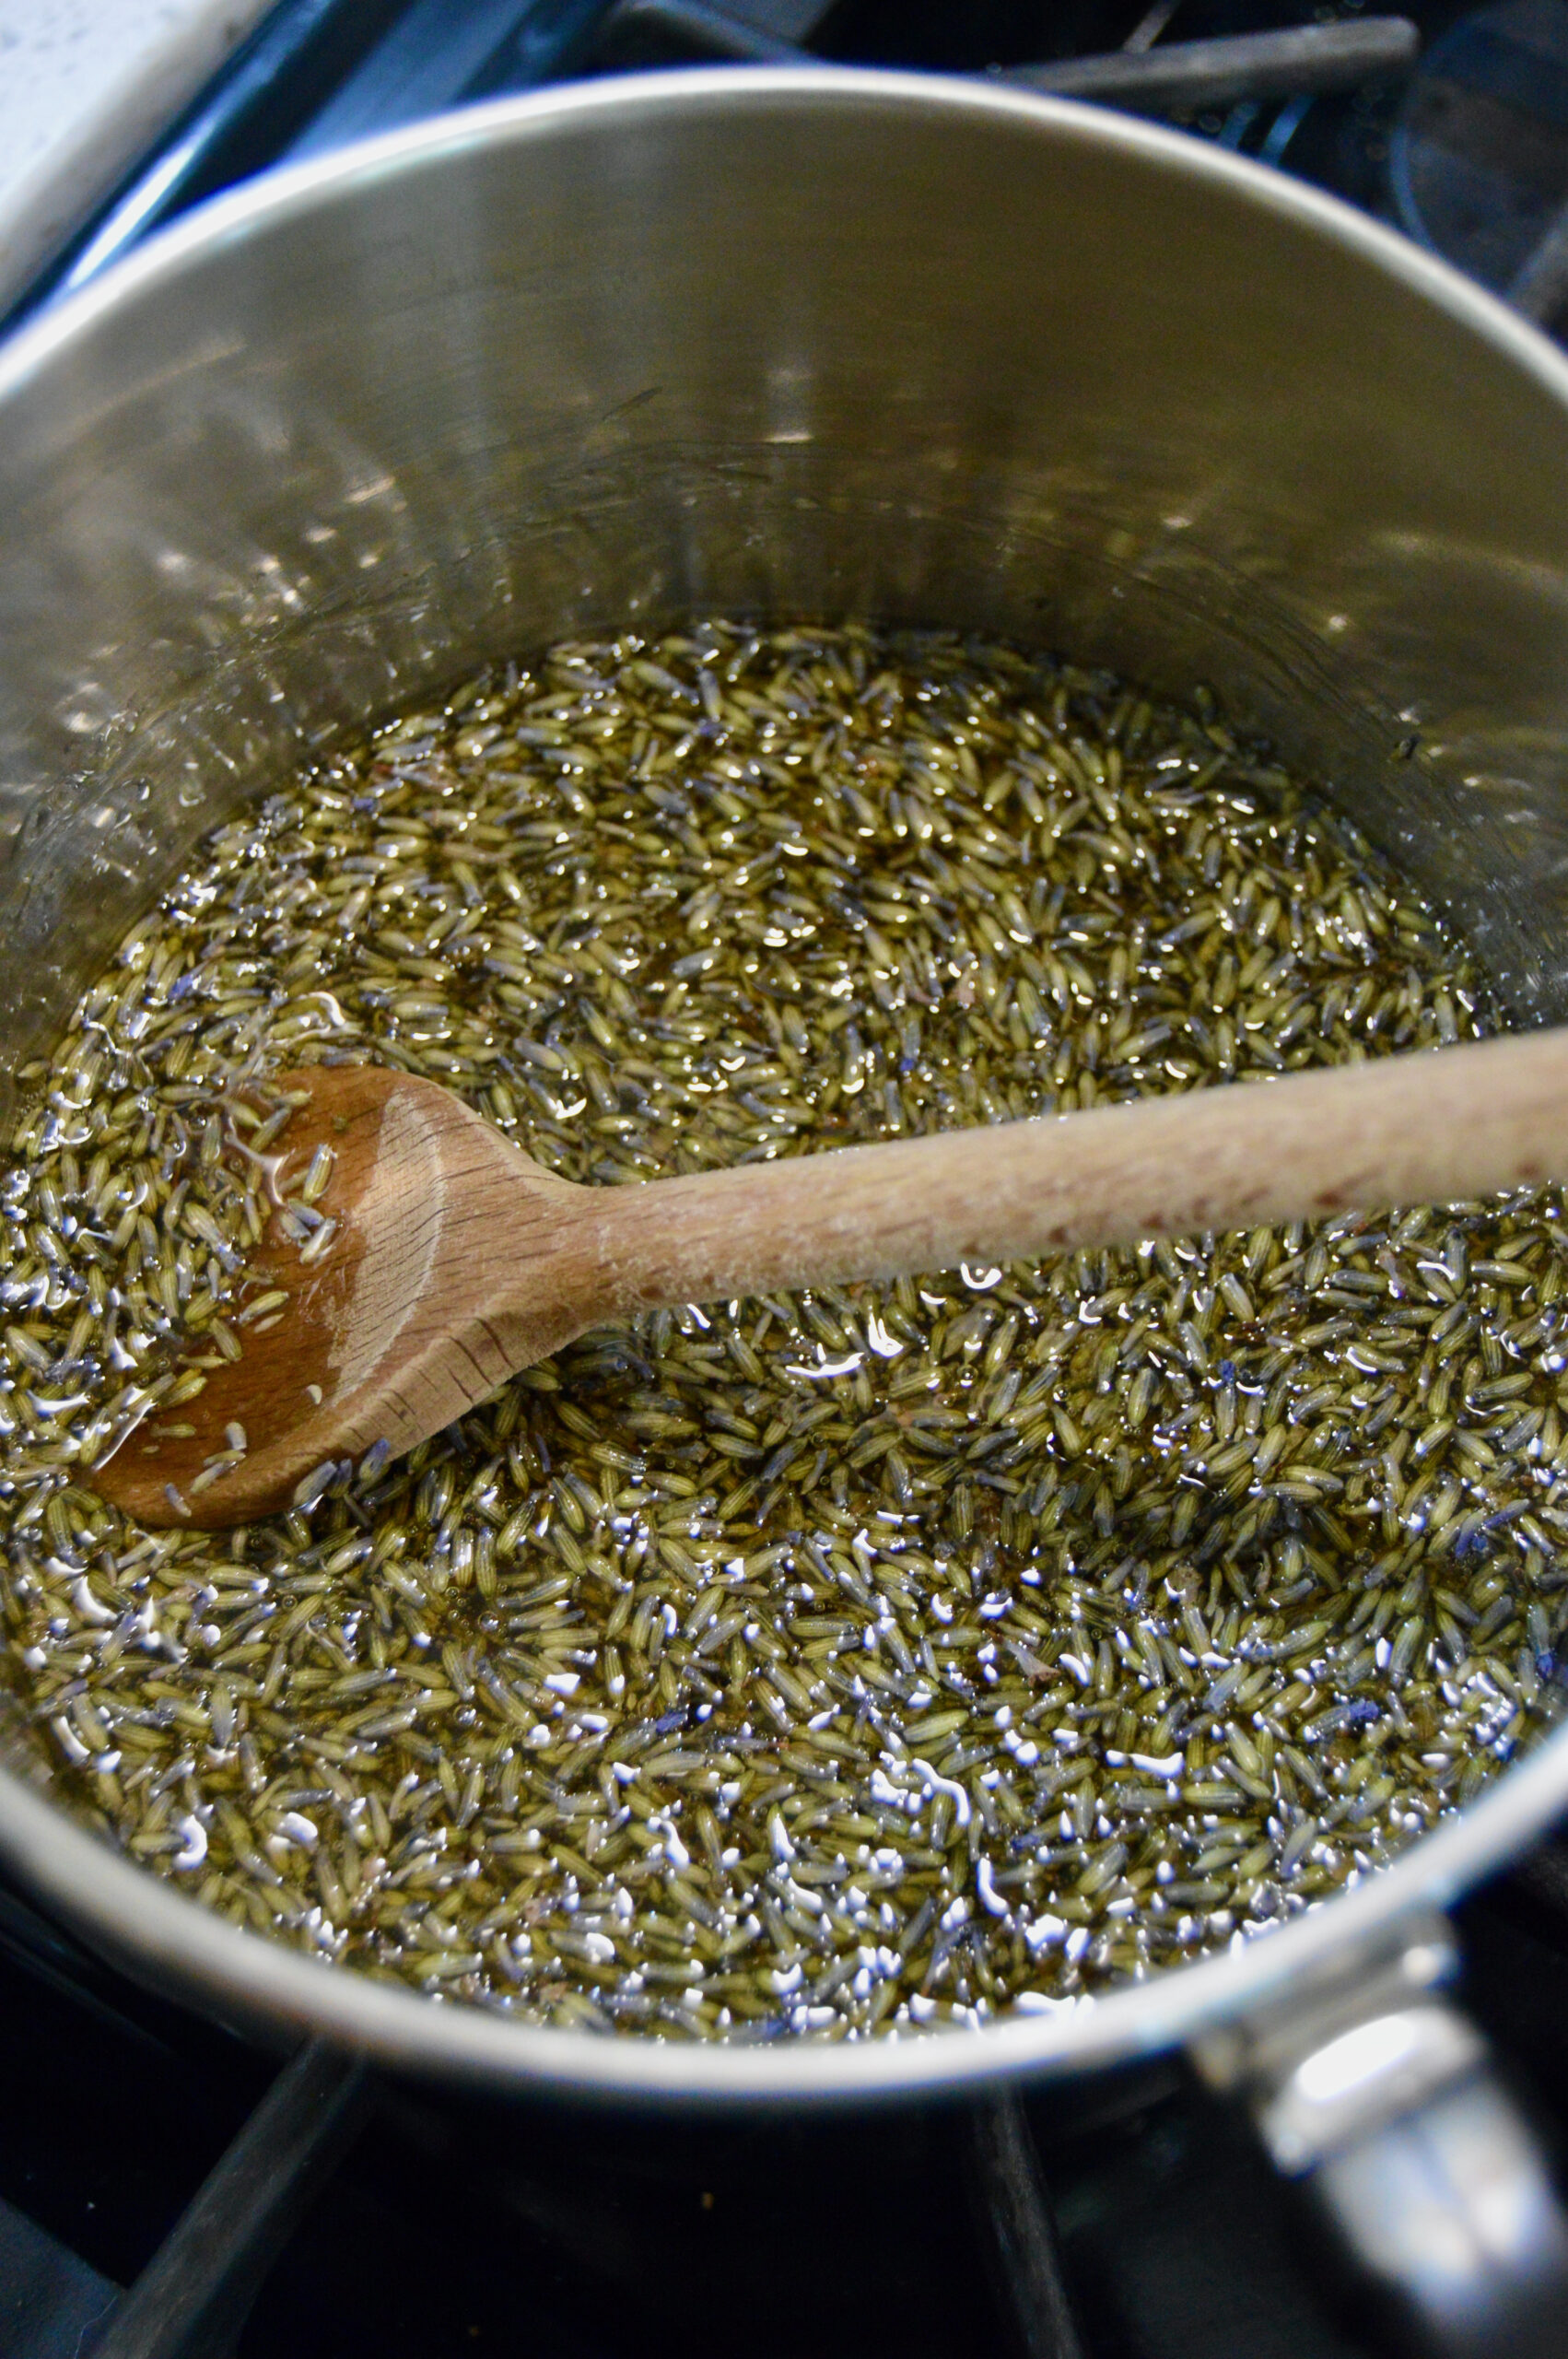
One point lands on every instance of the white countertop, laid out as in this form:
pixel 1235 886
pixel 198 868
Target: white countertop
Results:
pixel 86 86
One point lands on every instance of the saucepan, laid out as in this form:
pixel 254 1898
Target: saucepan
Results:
pixel 788 343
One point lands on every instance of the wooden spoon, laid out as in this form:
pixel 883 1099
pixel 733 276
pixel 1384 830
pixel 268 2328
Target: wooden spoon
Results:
pixel 458 1261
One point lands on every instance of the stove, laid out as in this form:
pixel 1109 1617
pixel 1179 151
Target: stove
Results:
pixel 170 2192
pixel 319 2213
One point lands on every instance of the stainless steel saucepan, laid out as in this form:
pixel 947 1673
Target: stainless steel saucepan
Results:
pixel 827 343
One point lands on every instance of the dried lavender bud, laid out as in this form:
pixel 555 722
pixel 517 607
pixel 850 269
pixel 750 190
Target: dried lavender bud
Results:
pixel 868 1657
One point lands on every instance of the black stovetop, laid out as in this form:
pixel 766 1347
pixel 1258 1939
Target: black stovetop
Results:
pixel 1129 2218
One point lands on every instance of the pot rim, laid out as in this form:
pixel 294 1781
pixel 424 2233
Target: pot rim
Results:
pixel 154 1928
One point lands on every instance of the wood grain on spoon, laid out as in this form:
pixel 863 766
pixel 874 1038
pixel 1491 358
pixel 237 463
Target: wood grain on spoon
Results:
pixel 458 1261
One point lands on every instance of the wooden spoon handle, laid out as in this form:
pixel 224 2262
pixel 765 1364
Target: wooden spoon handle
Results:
pixel 1429 1128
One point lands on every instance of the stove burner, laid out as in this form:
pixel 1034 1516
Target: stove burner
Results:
pixel 1479 164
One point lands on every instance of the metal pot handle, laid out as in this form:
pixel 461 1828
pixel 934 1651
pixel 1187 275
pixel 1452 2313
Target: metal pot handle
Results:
pixel 1378 2096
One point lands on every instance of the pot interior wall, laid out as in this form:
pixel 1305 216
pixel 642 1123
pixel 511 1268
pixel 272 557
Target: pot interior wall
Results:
pixel 816 345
